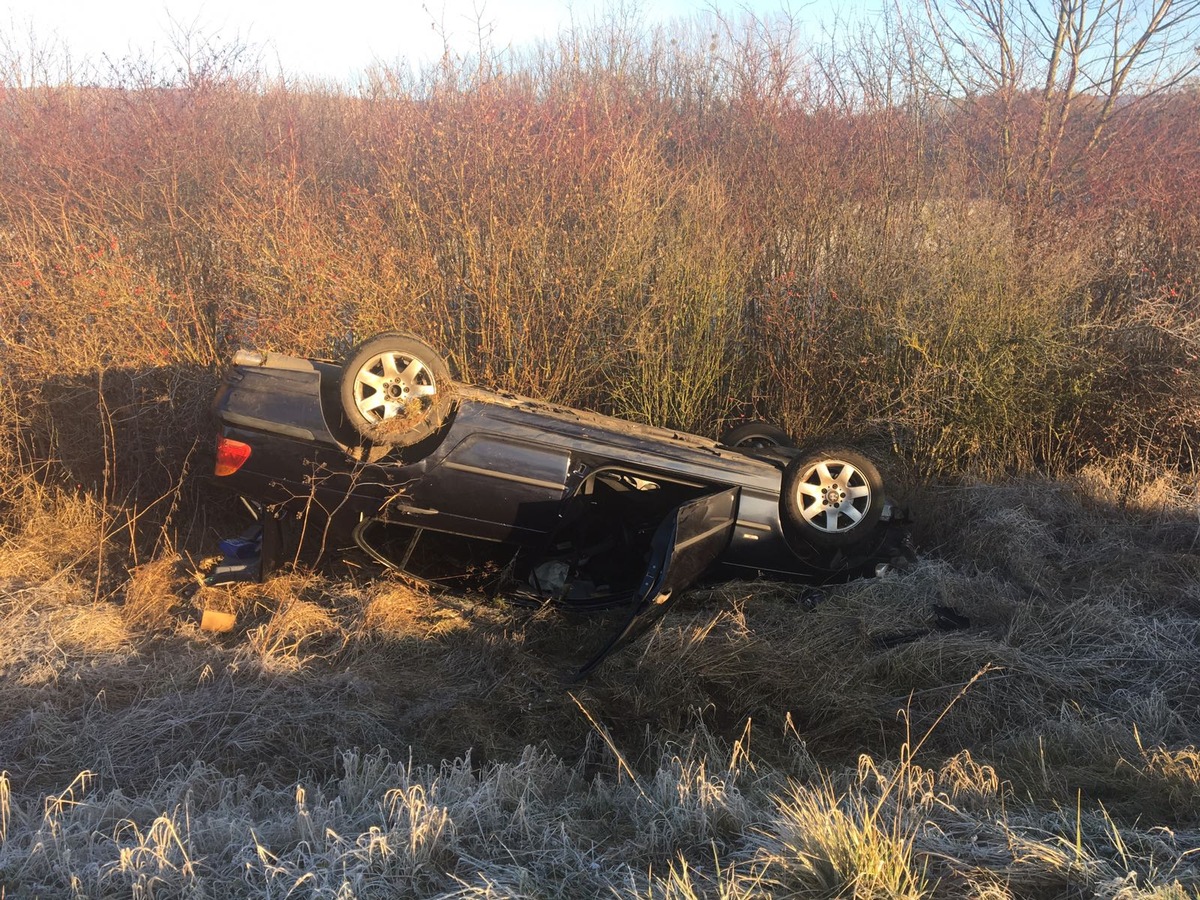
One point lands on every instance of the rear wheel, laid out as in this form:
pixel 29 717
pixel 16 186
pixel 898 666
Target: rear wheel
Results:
pixel 832 496
pixel 755 436
pixel 395 389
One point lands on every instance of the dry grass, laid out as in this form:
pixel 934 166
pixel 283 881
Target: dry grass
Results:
pixel 396 611
pixel 375 739
pixel 55 535
pixel 591 224
pixel 152 592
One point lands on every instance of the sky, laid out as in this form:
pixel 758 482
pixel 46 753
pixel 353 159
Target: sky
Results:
pixel 334 39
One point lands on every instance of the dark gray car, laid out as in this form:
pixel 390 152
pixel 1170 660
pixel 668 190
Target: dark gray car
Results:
pixel 479 490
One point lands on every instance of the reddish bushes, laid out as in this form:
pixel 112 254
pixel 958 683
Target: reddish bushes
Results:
pixel 674 233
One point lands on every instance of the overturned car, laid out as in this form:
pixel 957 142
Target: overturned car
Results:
pixel 485 491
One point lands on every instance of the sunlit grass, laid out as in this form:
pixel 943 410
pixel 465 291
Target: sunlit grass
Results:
pixel 682 228
pixel 368 738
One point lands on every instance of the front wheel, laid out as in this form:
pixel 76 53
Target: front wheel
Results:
pixel 832 496
pixel 395 389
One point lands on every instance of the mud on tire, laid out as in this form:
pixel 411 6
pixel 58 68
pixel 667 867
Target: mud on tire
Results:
pixel 395 389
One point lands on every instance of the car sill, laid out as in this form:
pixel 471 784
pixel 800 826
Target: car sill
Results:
pixel 504 476
pixel 232 418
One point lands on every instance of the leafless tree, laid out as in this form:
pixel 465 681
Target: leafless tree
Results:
pixel 1074 64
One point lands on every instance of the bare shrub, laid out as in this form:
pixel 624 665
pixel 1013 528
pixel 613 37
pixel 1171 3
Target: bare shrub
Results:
pixel 697 225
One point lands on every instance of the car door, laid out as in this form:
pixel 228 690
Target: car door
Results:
pixel 494 487
pixel 684 546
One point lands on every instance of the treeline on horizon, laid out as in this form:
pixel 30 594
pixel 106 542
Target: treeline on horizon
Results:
pixel 988 259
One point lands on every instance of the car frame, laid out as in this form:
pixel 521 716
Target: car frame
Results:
pixel 481 490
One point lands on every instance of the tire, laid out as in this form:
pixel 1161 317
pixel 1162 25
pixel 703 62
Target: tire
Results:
pixel 832 496
pixel 395 390
pixel 755 436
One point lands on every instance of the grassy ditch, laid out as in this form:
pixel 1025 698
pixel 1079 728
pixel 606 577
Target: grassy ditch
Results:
pixel 354 737
pixel 686 227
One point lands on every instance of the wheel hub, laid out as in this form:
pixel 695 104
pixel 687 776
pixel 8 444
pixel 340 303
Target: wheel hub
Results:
pixel 833 495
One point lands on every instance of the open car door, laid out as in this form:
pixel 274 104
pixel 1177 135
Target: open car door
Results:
pixel 687 542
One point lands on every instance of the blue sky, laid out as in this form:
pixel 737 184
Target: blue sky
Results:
pixel 336 39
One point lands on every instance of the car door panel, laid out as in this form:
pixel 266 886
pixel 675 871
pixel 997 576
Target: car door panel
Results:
pixel 494 487
pixel 686 544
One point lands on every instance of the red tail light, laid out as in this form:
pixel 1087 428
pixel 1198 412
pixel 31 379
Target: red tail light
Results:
pixel 230 455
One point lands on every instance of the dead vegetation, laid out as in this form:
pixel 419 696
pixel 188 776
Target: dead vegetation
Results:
pixel 368 738
pixel 709 223
pixel 677 227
